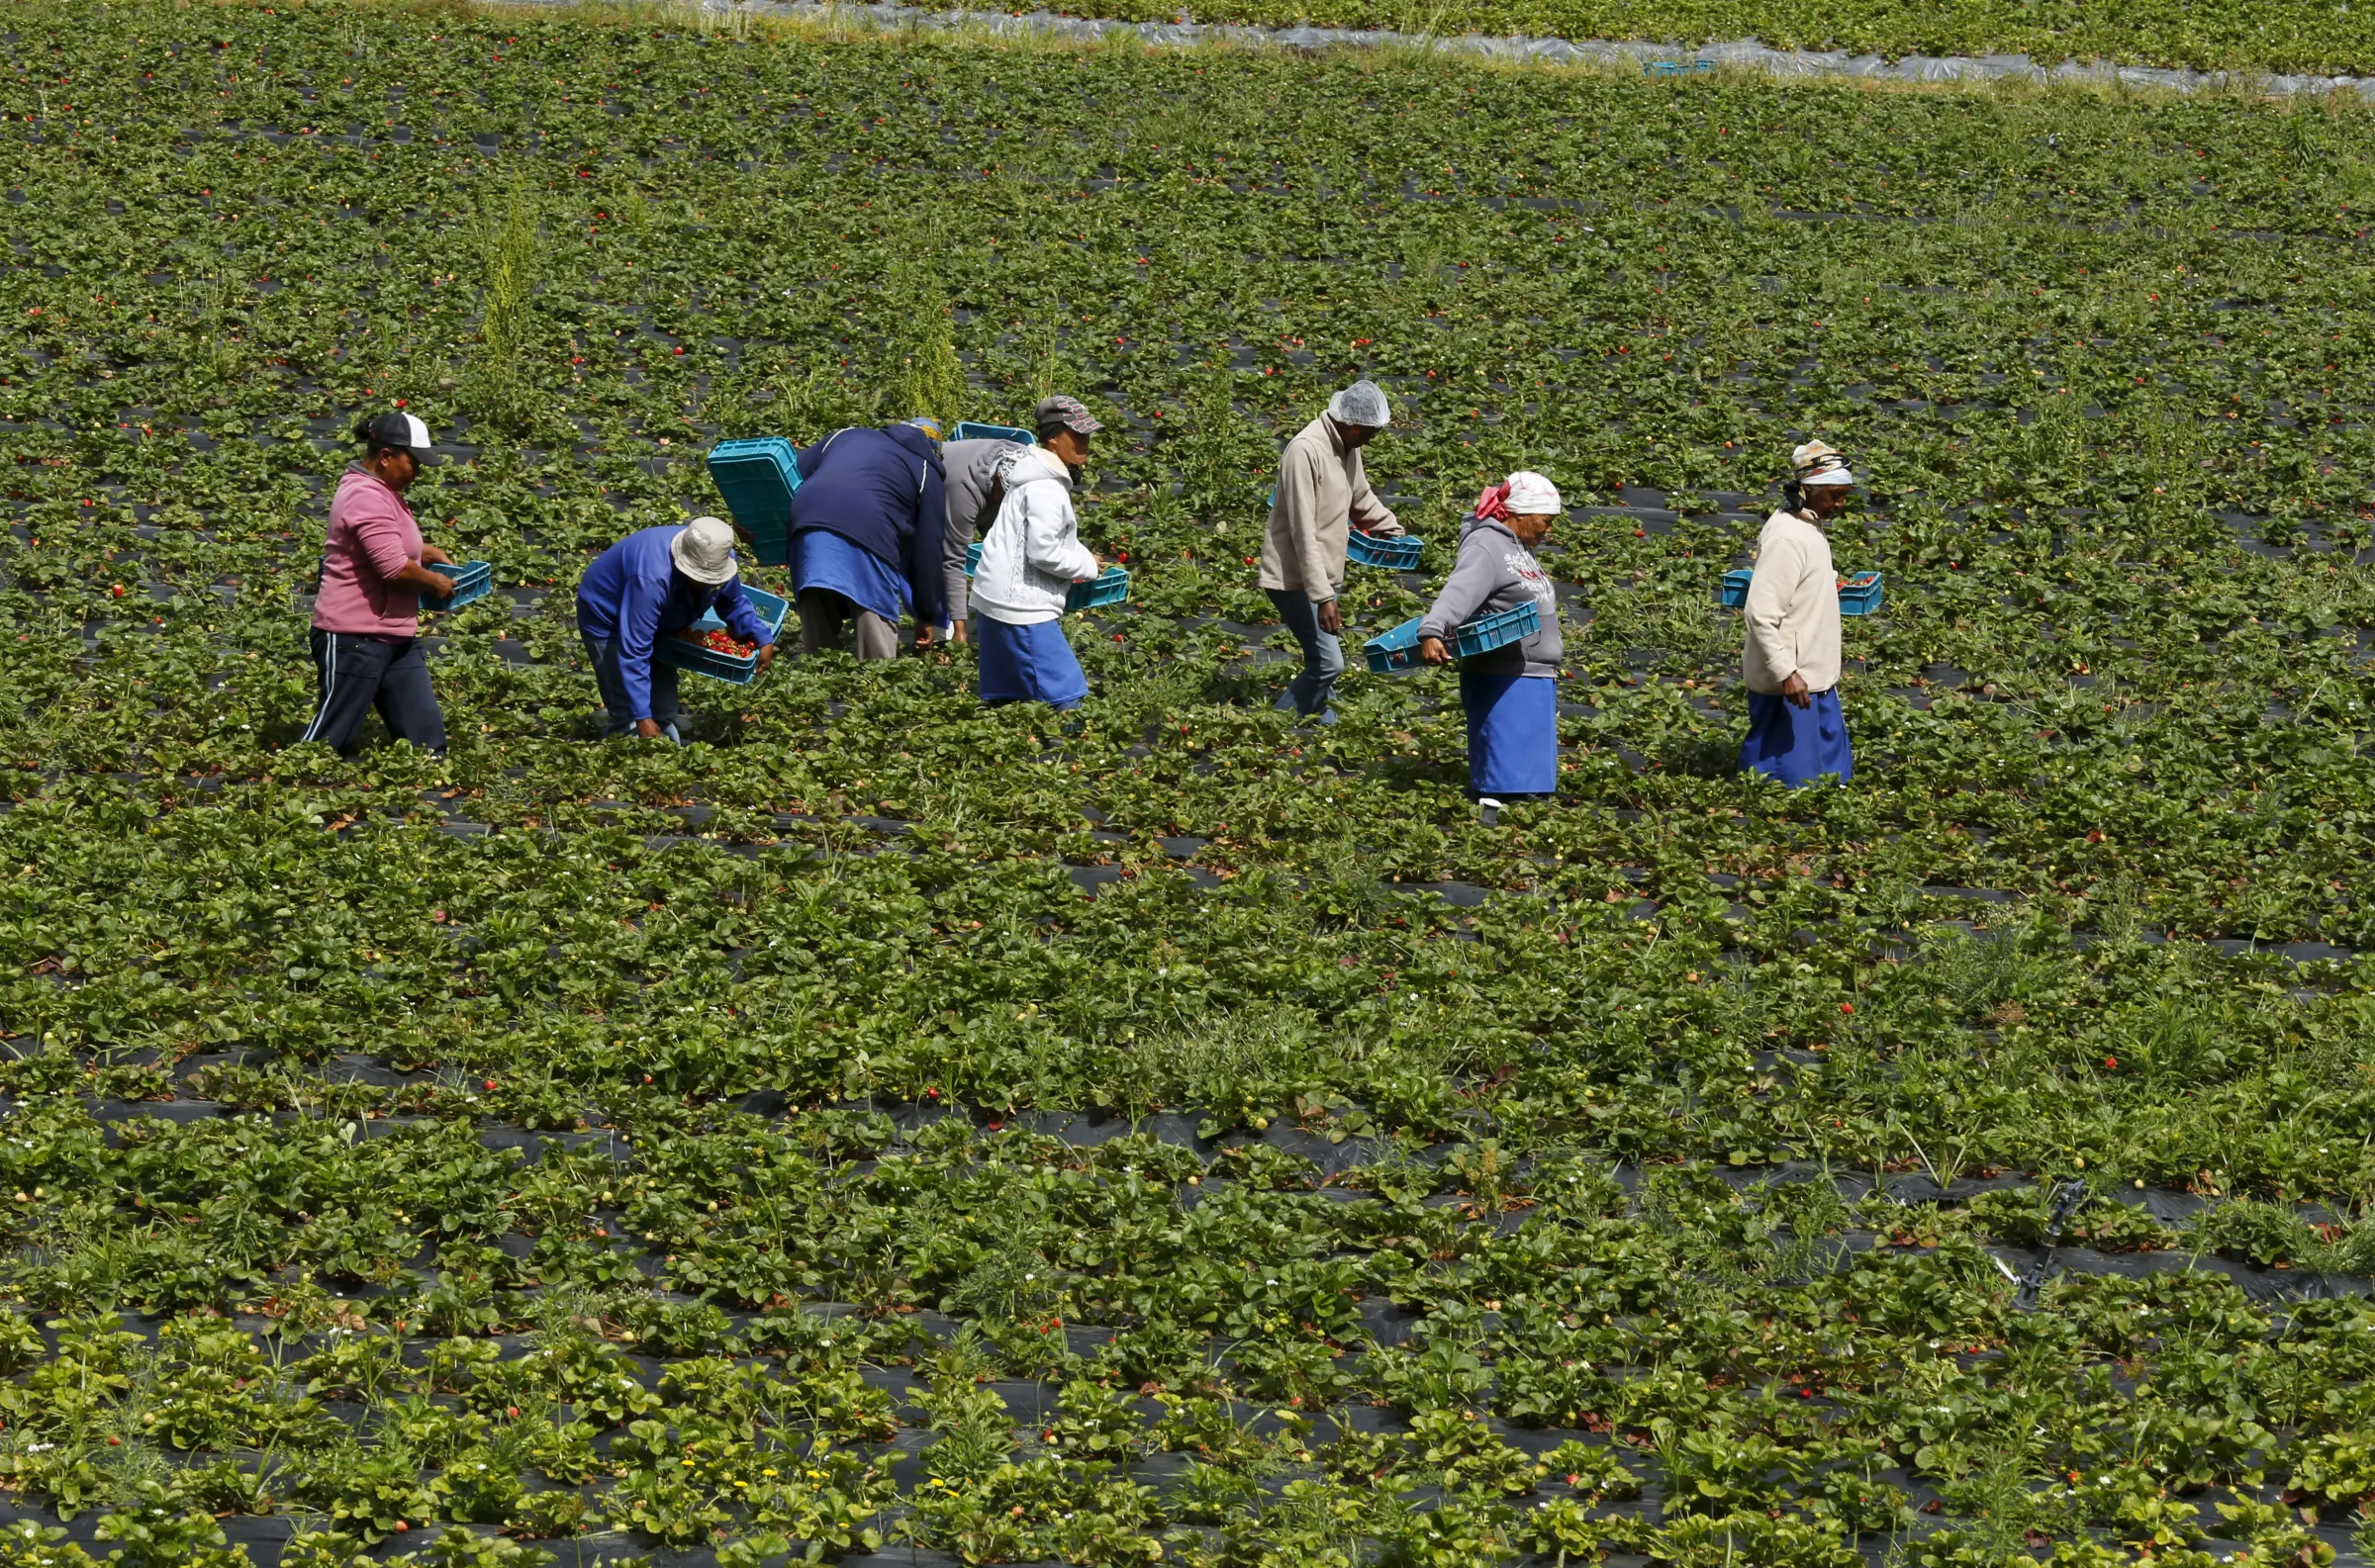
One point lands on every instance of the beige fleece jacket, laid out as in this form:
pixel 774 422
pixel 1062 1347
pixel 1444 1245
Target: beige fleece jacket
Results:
pixel 1322 491
pixel 1793 608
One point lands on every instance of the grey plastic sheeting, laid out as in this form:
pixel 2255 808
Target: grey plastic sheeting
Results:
pixel 1743 52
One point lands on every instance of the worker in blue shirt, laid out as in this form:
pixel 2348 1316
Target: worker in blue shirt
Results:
pixel 867 525
pixel 654 584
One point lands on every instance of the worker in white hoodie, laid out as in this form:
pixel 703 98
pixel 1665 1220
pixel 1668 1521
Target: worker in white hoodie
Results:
pixel 1796 733
pixel 1030 557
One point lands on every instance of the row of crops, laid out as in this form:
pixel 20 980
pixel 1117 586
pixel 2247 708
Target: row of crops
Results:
pixel 891 1131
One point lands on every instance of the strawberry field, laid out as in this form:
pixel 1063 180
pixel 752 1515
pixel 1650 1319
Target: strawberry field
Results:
pixel 889 1130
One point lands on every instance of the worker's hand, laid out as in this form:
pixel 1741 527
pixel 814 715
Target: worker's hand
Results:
pixel 926 634
pixel 766 657
pixel 1794 688
pixel 430 555
pixel 1331 620
pixel 956 631
pixel 1432 650
pixel 1391 528
pixel 649 729
pixel 442 586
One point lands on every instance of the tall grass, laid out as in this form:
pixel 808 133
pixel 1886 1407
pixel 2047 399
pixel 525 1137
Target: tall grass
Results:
pixel 509 253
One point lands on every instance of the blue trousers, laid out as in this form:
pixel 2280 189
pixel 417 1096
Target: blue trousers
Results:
pixel 1798 745
pixel 603 653
pixel 1324 655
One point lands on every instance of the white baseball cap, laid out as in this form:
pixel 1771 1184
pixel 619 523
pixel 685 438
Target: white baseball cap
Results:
pixel 704 550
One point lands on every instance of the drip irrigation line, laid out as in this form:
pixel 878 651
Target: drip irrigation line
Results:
pixel 1737 53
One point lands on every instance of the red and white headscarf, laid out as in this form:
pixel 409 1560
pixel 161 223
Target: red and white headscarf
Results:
pixel 1524 492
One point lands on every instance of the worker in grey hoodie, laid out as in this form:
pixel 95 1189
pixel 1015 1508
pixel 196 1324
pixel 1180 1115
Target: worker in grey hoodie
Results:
pixel 1511 693
pixel 973 499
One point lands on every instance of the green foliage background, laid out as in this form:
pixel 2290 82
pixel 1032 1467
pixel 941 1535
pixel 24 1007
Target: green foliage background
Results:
pixel 283 1028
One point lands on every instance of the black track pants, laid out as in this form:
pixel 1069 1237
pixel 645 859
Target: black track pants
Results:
pixel 361 673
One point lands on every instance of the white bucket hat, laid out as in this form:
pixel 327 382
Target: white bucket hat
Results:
pixel 704 550
pixel 1532 496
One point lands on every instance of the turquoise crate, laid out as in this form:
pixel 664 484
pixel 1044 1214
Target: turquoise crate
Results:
pixel 700 660
pixel 1109 587
pixel 757 478
pixel 1676 68
pixel 1497 630
pixel 1857 595
pixel 1860 595
pixel 1397 651
pixel 477 580
pixel 1368 549
pixel 968 430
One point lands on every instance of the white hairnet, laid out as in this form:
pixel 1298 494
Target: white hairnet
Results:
pixel 1363 403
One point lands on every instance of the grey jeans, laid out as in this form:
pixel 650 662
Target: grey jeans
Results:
pixel 1324 655
pixel 824 612
pixel 618 718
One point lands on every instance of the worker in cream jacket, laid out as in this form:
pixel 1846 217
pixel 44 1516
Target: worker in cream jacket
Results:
pixel 1796 733
pixel 1030 557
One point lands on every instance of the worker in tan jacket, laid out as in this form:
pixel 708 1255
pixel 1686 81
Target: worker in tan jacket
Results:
pixel 1322 492
pixel 1796 733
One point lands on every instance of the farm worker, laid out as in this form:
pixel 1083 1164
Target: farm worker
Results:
pixel 375 567
pixel 1792 664
pixel 973 496
pixel 1030 558
pixel 1322 491
pixel 656 583
pixel 1510 692
pixel 867 526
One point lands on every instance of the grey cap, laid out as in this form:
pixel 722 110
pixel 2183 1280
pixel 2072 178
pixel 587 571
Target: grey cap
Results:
pixel 1363 403
pixel 1060 412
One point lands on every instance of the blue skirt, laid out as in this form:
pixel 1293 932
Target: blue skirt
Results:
pixel 822 558
pixel 1798 745
pixel 1028 664
pixel 1512 733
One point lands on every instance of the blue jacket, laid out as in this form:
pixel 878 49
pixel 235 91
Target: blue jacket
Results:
pixel 884 491
pixel 633 595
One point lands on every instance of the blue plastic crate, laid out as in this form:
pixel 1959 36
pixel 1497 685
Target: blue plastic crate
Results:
pixel 1858 594
pixel 1497 630
pixel 968 430
pixel 707 661
pixel 757 478
pixel 1368 549
pixel 973 557
pixel 1397 650
pixel 477 580
pixel 1109 587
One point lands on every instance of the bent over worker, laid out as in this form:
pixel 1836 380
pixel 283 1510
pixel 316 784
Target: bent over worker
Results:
pixel 868 522
pixel 971 469
pixel 375 567
pixel 656 583
pixel 1323 491
pixel 1797 732
pixel 1510 692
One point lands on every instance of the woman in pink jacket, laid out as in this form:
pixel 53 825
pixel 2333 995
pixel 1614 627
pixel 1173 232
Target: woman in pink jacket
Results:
pixel 367 615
